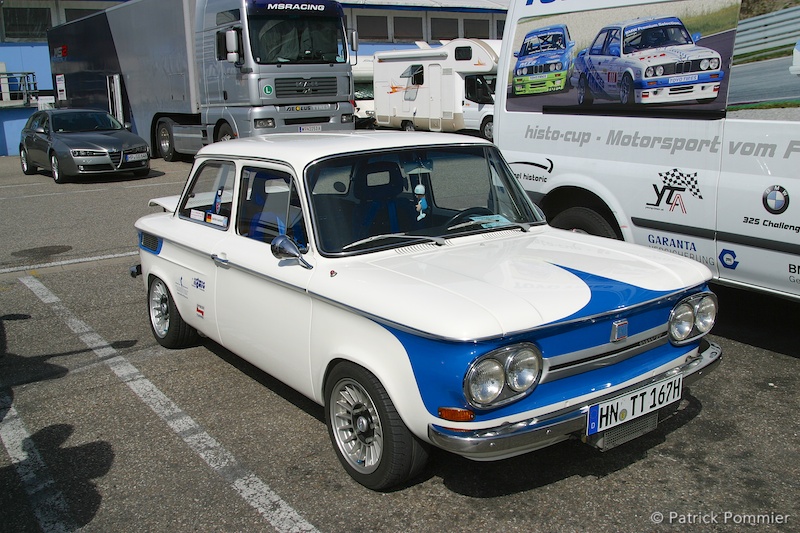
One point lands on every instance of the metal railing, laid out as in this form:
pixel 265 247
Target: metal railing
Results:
pixel 18 89
pixel 765 33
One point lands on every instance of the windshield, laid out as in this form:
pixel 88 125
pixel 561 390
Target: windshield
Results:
pixel 295 39
pixel 644 38
pixel 388 199
pixel 543 42
pixel 84 121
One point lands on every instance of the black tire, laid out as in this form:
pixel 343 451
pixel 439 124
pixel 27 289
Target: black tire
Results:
pixel 370 439
pixel 55 169
pixel 166 140
pixel 627 95
pixel 166 323
pixel 584 220
pixel 225 133
pixel 27 168
pixel 408 125
pixel 487 128
pixel 585 96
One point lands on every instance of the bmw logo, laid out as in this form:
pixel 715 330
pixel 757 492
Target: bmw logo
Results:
pixel 775 199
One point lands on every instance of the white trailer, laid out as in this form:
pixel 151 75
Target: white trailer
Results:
pixel 446 88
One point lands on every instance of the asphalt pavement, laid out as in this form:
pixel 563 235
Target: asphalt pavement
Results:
pixel 102 430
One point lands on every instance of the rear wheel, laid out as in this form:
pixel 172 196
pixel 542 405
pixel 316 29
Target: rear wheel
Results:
pixel 225 133
pixel 584 220
pixel 369 437
pixel 408 125
pixel 166 323
pixel 166 140
pixel 27 168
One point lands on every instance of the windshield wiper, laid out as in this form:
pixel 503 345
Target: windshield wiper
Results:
pixel 439 241
pixel 491 224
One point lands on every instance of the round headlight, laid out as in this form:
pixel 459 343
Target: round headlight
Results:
pixel 714 63
pixel 648 72
pixel 681 322
pixel 522 370
pixel 486 381
pixel 559 65
pixel 704 64
pixel 660 70
pixel 705 314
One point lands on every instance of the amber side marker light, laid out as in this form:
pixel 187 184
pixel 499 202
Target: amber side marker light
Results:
pixel 456 414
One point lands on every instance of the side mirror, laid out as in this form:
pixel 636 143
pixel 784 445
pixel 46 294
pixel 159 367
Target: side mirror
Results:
pixel 284 248
pixel 354 40
pixel 232 46
pixel 128 126
pixel 696 36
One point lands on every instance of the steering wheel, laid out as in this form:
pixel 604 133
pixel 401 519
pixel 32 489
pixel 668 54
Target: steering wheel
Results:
pixel 470 211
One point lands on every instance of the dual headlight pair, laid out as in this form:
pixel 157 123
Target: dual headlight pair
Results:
pixel 705 64
pixel 509 373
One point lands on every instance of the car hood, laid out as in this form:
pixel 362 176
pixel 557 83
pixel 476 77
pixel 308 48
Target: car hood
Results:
pixel 540 59
pixel 506 282
pixel 685 52
pixel 101 140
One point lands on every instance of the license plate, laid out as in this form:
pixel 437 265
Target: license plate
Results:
pixel 135 157
pixel 310 129
pixel 634 404
pixel 682 79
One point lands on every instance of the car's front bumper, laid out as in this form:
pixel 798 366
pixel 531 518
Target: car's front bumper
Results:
pixel 528 435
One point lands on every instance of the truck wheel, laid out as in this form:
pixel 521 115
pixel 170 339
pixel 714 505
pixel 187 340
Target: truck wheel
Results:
pixel 626 91
pixel 166 141
pixel 408 125
pixel 225 133
pixel 369 437
pixel 584 220
pixel 486 128
pixel 584 92
pixel 166 323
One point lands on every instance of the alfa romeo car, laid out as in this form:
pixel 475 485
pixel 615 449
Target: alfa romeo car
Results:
pixel 405 282
pixel 647 61
pixel 80 142
pixel 544 61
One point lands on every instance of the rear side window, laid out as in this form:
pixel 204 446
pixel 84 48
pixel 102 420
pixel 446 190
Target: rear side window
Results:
pixel 210 196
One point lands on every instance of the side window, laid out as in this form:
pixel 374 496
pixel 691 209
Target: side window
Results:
pixel 44 123
pixel 270 206
pixel 415 76
pixel 597 45
pixel 210 195
pixel 612 45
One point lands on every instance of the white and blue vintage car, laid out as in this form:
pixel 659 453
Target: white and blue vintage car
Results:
pixel 647 61
pixel 406 282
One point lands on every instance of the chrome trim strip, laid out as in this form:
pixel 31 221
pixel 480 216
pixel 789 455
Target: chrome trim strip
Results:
pixel 508 440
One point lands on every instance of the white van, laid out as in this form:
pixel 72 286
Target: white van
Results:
pixel 660 138
pixel 445 88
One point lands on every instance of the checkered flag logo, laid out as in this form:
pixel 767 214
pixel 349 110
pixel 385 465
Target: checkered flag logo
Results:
pixel 676 178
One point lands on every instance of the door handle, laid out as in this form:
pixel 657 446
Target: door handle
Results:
pixel 219 260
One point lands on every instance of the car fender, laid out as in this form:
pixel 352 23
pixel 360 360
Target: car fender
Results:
pixel 339 334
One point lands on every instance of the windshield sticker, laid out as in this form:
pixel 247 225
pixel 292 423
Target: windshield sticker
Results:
pixel 195 214
pixel 217 220
pixel 491 221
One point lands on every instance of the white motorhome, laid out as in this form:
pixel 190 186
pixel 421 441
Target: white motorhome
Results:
pixel 662 139
pixel 445 88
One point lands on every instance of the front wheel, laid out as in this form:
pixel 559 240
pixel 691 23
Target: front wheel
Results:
pixel 55 169
pixel 487 128
pixel 166 323
pixel 584 92
pixel 373 444
pixel 225 133
pixel 408 125
pixel 627 94
pixel 584 220
pixel 25 163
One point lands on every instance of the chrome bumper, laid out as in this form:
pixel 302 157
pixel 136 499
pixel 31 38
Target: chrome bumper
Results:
pixel 509 440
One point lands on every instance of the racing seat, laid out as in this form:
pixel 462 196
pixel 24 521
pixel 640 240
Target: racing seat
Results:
pixel 381 210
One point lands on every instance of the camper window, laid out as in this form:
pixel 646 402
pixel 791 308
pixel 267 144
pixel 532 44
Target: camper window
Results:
pixel 463 53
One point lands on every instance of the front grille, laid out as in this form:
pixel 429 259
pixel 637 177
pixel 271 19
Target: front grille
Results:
pixel 305 87
pixel 116 157
pixel 628 431
pixel 684 67
pixel 306 120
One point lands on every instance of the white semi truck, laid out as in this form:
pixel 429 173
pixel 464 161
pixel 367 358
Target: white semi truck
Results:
pixel 661 139
pixel 443 88
pixel 186 73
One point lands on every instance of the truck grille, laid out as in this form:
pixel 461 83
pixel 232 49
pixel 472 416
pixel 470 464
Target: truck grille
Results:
pixel 305 87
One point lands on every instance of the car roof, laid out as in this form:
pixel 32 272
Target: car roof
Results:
pixel 300 149
pixel 643 20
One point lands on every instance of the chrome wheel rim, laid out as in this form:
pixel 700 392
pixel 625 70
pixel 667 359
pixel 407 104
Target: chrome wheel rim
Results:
pixel 163 140
pixel 159 308
pixel 54 167
pixel 357 426
pixel 23 157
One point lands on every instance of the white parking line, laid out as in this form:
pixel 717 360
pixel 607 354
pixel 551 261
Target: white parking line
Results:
pixel 65 262
pixel 252 489
pixel 51 509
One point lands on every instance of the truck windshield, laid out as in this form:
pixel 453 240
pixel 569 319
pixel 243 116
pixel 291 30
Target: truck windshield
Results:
pixel 294 39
